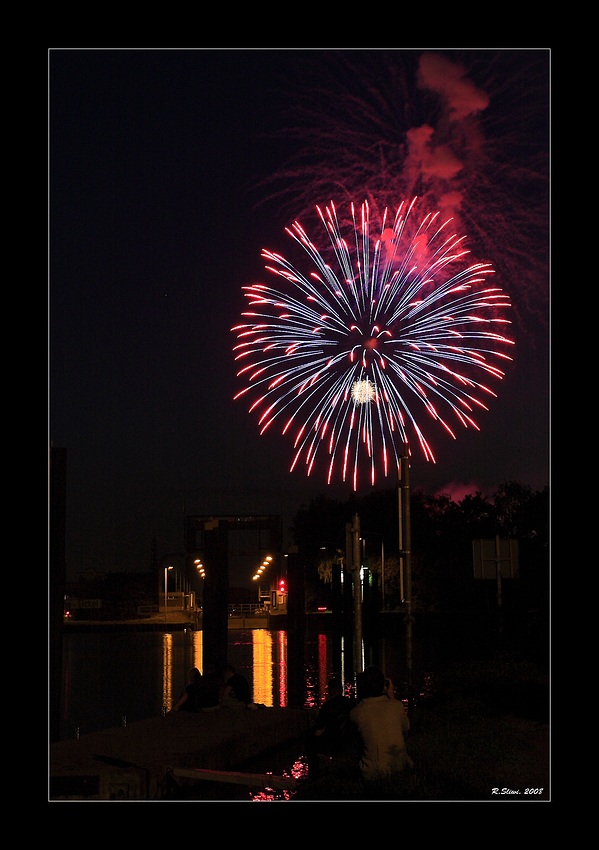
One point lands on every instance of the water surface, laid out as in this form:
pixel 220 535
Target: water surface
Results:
pixel 120 677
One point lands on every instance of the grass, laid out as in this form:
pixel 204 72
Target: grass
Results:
pixel 483 736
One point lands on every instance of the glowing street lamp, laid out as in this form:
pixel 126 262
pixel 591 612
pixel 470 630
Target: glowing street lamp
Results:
pixel 166 569
pixel 265 563
pixel 258 574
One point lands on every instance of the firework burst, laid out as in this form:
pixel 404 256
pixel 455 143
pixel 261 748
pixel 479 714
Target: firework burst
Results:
pixel 391 322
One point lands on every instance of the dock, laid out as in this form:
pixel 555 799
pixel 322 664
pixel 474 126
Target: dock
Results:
pixel 239 617
pixel 135 762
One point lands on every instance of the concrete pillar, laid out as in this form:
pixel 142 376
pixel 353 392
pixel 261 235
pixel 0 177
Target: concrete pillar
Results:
pixel 57 563
pixel 296 629
pixel 353 559
pixel 216 594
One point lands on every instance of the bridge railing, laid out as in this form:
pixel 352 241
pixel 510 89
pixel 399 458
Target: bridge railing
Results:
pixel 246 610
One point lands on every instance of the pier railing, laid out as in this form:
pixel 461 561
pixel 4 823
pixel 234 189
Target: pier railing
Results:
pixel 246 610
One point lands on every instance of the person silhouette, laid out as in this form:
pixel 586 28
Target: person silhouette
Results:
pixel 332 731
pixel 236 691
pixel 382 722
pixel 191 698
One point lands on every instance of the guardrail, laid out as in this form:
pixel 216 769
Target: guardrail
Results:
pixel 235 610
pixel 246 610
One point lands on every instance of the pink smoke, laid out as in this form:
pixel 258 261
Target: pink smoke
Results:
pixel 458 490
pixel 463 98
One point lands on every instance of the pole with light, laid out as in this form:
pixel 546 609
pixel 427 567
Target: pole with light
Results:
pixel 405 554
pixel 382 536
pixel 258 574
pixel 166 569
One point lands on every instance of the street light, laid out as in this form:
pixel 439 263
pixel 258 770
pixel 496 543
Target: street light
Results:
pixel 265 563
pixel 378 534
pixel 166 569
pixel 258 574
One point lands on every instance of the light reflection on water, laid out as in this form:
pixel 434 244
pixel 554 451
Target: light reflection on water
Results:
pixel 136 675
pixel 262 664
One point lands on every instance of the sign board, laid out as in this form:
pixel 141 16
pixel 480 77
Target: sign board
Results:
pixel 489 554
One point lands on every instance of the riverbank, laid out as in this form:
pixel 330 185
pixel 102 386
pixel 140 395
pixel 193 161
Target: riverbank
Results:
pixel 177 620
pixel 141 761
pixel 484 735
pixel 481 734
pixel 477 725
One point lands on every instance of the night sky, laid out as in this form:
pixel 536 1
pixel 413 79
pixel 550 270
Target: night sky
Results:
pixel 161 200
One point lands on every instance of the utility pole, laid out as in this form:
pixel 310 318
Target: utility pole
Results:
pixel 405 550
pixel 354 561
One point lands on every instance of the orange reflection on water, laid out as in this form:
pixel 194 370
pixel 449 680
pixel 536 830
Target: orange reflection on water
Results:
pixel 181 656
pixel 167 670
pixel 198 647
pixel 262 663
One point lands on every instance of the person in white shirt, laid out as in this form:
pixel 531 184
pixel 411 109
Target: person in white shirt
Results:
pixel 382 723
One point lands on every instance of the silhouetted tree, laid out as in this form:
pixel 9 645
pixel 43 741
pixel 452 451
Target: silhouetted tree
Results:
pixel 442 535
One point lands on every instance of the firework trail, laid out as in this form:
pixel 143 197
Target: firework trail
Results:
pixel 391 322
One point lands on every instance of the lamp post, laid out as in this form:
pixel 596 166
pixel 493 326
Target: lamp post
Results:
pixel 202 574
pixel 405 552
pixel 357 577
pixel 258 574
pixel 166 569
pixel 378 534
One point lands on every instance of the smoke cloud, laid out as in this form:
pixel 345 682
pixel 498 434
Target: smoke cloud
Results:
pixel 449 80
pixel 438 154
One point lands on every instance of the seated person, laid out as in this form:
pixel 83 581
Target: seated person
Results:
pixel 381 722
pixel 333 730
pixel 235 692
pixel 192 697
